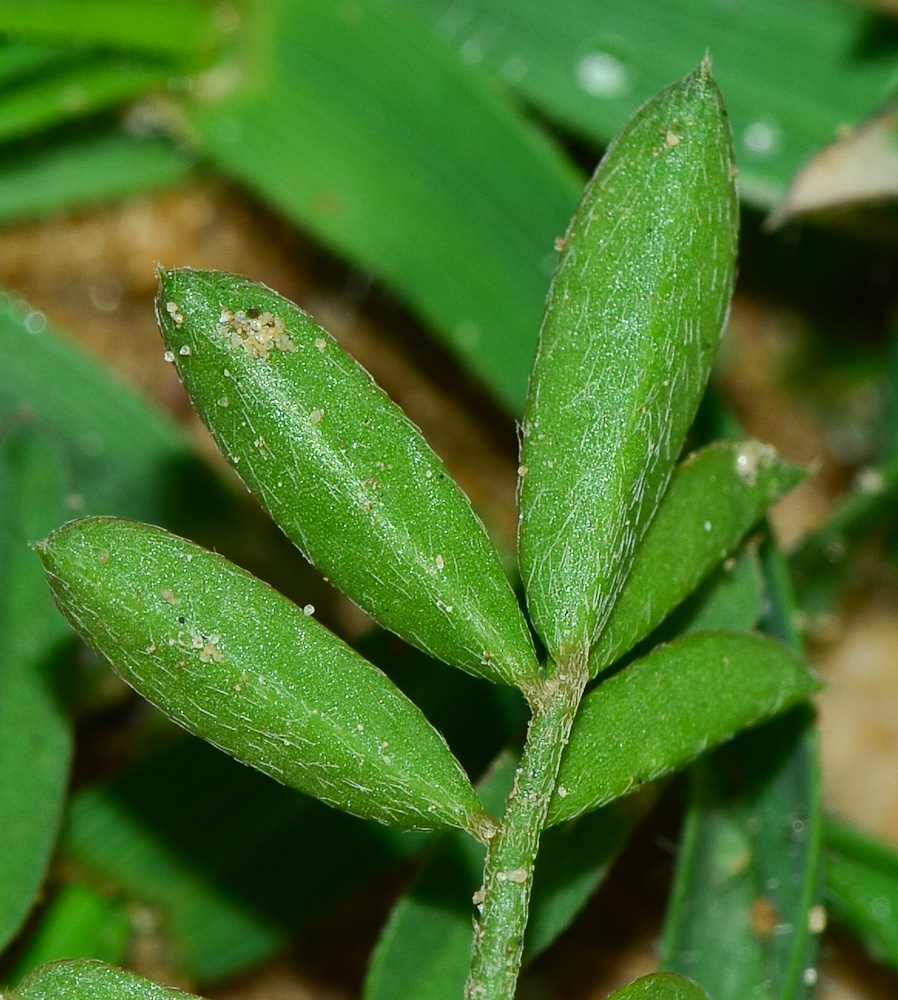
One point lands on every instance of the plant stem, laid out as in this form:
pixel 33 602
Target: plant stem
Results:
pixel 504 898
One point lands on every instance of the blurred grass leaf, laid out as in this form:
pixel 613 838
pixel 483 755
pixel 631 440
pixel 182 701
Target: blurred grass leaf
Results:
pixel 35 675
pixel 821 562
pixel 749 868
pixel 162 26
pixel 79 922
pixel 21 59
pixel 95 83
pixel 122 455
pixel 861 888
pixel 231 894
pixel 73 171
pixel 407 163
pixel 789 89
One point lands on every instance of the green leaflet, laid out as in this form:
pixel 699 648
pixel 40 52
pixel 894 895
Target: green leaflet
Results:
pixel 661 986
pixel 35 728
pixel 236 663
pixel 79 979
pixel 713 499
pixel 343 471
pixel 665 709
pixel 631 326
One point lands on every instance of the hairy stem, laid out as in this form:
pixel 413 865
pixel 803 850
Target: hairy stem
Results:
pixel 504 899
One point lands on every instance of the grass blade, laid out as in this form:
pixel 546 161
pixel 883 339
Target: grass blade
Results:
pixel 124 457
pixel 789 90
pixel 861 888
pixel 750 858
pixel 820 564
pixel 368 133
pixel 233 899
pixel 75 91
pixel 79 922
pixel 20 59
pixel 35 728
pixel 170 27
pixel 103 164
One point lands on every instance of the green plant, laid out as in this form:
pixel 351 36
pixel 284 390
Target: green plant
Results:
pixel 613 537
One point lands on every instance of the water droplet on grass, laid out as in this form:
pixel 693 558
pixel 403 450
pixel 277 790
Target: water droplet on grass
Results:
pixel 602 74
pixel 762 139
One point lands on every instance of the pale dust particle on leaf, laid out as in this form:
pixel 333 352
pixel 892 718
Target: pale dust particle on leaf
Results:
pixel 256 333
pixel 817 919
pixel 751 458
pixel 174 310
